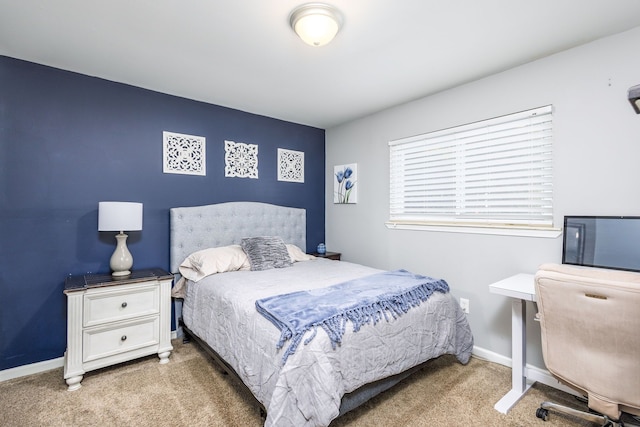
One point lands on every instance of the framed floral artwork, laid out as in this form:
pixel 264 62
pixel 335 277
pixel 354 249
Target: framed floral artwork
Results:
pixel 345 183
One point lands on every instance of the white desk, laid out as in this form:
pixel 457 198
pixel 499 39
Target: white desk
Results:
pixel 521 288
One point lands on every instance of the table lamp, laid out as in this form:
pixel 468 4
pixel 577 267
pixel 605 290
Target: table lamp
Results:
pixel 120 216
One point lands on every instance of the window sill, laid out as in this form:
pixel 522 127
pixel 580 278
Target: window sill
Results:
pixel 548 233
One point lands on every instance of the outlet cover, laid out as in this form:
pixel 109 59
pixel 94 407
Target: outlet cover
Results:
pixel 464 304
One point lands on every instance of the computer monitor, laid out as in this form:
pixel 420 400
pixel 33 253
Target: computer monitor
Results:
pixel 602 241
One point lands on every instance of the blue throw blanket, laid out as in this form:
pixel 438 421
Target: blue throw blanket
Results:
pixel 362 301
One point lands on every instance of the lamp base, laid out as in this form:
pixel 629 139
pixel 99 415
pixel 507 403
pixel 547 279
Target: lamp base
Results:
pixel 121 273
pixel 121 260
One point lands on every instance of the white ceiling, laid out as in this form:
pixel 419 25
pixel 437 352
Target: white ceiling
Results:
pixel 243 54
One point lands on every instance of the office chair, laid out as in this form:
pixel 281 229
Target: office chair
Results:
pixel 590 324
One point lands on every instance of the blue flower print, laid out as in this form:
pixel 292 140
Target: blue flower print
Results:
pixel 345 184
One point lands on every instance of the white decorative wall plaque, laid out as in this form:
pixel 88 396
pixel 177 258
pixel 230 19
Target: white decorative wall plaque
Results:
pixel 240 160
pixel 290 165
pixel 184 154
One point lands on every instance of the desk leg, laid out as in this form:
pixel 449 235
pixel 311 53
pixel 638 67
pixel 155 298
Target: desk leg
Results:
pixel 519 383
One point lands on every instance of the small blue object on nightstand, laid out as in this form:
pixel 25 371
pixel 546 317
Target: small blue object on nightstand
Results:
pixel 321 249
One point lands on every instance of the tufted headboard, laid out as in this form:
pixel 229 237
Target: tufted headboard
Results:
pixel 200 227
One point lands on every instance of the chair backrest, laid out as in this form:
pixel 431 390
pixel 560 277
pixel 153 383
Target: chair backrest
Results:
pixel 590 323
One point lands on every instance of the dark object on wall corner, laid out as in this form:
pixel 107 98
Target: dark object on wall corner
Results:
pixel 634 98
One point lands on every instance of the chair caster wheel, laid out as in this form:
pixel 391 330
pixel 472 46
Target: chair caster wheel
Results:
pixel 542 413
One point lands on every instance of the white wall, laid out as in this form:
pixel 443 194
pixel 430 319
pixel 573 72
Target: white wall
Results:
pixel 597 150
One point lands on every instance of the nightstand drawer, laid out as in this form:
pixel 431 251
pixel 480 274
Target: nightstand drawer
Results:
pixel 114 304
pixel 119 338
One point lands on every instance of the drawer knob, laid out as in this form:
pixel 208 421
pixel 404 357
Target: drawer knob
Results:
pixel 124 304
pixel 123 338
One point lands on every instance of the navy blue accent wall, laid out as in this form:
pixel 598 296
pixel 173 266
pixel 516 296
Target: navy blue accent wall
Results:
pixel 69 141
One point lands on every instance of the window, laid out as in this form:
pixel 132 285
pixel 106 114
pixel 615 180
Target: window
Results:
pixel 494 173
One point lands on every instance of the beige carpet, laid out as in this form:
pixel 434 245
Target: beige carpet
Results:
pixel 190 391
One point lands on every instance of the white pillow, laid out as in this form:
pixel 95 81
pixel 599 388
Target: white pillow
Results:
pixel 296 254
pixel 209 261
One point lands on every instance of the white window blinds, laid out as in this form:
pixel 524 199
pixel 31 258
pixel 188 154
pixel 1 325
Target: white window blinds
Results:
pixel 496 172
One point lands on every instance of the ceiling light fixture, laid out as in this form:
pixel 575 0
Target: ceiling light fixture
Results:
pixel 315 23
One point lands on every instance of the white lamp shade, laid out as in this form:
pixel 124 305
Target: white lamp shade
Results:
pixel 119 216
pixel 315 23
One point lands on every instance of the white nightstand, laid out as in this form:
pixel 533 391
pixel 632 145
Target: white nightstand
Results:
pixel 113 320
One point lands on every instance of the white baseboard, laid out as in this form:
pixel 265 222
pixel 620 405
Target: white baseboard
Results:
pixel 532 372
pixel 33 368
pixel 482 353
pixel 36 368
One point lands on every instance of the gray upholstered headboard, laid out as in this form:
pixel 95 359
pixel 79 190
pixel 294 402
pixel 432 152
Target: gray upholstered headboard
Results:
pixel 200 227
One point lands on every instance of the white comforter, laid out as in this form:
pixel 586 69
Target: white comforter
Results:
pixel 307 390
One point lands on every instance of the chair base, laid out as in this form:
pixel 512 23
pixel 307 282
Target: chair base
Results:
pixel 543 413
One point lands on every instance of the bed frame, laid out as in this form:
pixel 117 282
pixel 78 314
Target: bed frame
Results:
pixel 200 227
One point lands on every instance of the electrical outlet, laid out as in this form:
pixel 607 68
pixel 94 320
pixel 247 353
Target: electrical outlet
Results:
pixel 464 304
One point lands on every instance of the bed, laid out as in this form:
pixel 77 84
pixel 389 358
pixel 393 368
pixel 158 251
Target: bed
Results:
pixel 319 380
